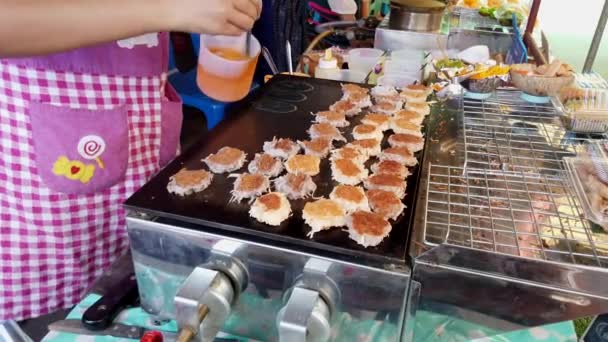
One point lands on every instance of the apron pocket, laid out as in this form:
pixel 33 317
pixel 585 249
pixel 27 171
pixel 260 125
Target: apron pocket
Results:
pixel 80 151
pixel 171 125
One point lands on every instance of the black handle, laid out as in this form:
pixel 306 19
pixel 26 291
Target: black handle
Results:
pixel 123 294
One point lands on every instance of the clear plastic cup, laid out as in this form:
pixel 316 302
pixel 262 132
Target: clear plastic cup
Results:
pixel 363 59
pixel 225 71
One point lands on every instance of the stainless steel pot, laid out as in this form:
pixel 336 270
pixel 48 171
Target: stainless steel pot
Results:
pixel 418 16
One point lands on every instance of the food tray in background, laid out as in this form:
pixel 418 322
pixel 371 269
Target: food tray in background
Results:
pixel 281 108
pixel 586 178
pixel 588 113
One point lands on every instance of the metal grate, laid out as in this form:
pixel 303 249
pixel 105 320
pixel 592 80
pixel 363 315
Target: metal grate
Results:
pixel 509 134
pixel 513 195
pixel 518 213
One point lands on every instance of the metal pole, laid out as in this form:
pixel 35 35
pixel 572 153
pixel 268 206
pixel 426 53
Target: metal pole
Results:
pixel 597 39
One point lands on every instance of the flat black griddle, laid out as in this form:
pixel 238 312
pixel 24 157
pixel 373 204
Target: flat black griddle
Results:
pixel 282 108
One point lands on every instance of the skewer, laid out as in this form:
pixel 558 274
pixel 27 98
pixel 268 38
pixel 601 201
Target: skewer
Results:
pixel 187 333
pixel 289 62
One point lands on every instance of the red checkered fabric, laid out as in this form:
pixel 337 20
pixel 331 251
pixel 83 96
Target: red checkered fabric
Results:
pixel 54 245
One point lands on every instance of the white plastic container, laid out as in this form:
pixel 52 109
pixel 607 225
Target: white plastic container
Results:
pixel 401 66
pixel 398 80
pixel 364 59
pixel 407 55
pixel 353 76
pixel 589 190
pixel 226 79
pixel 591 114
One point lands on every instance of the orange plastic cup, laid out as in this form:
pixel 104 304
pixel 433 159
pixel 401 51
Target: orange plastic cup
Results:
pixel 225 71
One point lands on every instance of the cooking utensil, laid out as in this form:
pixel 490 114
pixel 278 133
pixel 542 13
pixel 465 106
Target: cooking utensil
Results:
pixel 268 109
pixel 416 15
pixel 270 61
pixel 248 43
pixel 289 62
pixel 75 326
pixel 186 334
pixel 120 295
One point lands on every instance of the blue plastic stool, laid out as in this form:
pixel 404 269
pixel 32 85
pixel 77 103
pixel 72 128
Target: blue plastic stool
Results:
pixel 186 87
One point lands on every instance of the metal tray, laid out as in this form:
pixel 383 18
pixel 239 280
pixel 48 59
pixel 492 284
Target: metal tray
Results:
pixel 281 108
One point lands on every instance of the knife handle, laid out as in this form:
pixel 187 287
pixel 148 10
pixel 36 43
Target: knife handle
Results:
pixel 123 294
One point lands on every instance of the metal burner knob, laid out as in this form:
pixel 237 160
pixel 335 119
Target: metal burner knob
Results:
pixel 305 317
pixel 205 299
pixel 208 289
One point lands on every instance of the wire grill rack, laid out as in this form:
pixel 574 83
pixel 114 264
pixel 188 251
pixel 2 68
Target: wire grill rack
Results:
pixel 509 134
pixel 513 195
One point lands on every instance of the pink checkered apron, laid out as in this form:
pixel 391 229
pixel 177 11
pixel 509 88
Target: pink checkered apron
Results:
pixel 79 132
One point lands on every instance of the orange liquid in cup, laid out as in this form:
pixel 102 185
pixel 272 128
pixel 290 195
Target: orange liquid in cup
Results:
pixel 223 88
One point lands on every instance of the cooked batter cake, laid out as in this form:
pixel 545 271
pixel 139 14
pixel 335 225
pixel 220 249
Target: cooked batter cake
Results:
pixel 390 167
pixel 249 185
pixel 404 126
pixel 381 90
pixel 394 99
pixel 353 88
pixel 417 89
pixel 411 116
pixel 336 119
pixel 380 120
pixel 366 228
pixel 351 198
pixel 422 108
pixel 353 153
pixel 303 163
pixel 399 154
pixel 281 148
pixel 272 208
pixel 266 164
pixel 346 171
pixel 392 183
pixel 325 130
pixel 361 100
pixel 227 159
pixel 412 142
pixel 413 97
pixel 323 214
pixel 187 182
pixel 346 107
pixel 295 186
pixel 316 147
pixel 388 108
pixel 364 131
pixel 385 203
pixel 370 147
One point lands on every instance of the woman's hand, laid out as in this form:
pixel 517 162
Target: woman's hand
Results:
pixel 225 17
pixel 70 24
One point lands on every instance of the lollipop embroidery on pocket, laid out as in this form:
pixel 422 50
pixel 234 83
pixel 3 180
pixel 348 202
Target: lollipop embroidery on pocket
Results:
pixel 90 147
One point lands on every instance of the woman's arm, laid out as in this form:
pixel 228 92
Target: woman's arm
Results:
pixel 34 27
